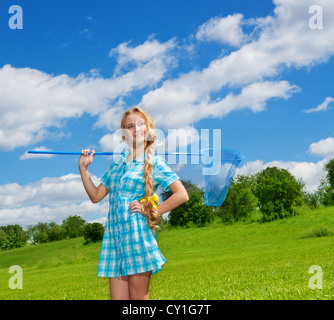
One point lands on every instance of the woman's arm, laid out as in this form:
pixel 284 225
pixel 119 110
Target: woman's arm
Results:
pixel 96 194
pixel 179 196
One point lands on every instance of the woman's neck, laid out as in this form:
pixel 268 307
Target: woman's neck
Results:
pixel 135 153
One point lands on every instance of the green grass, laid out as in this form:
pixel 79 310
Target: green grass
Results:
pixel 239 261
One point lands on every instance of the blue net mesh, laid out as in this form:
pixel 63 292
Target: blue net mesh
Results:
pixel 217 184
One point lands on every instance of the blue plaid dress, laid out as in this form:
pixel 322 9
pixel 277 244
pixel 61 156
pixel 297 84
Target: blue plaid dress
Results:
pixel 129 246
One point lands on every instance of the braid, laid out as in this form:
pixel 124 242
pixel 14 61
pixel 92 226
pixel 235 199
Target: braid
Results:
pixel 153 216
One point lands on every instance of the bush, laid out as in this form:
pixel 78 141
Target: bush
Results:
pixel 93 232
pixel 240 201
pixel 278 192
pixel 329 167
pixel 55 232
pixel 325 193
pixel 74 226
pixel 313 200
pixel 12 236
pixel 194 211
pixel 38 233
pixel 45 232
pixel 40 237
pixel 3 239
pixel 318 232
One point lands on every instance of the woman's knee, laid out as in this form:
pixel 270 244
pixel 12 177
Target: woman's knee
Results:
pixel 136 294
pixel 119 288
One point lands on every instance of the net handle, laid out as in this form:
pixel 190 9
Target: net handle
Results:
pixel 239 156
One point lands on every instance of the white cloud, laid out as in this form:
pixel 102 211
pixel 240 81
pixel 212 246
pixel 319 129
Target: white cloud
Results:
pixel 321 107
pixel 113 143
pixel 27 155
pixel 253 97
pixel 47 191
pixel 31 215
pixel 324 147
pixel 151 51
pixel 225 30
pixel 111 118
pixel 50 199
pixel 179 139
pixel 32 100
pixel 283 40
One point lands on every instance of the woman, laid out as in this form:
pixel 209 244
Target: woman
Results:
pixel 129 252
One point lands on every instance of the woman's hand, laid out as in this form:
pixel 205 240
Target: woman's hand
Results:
pixel 136 206
pixel 86 159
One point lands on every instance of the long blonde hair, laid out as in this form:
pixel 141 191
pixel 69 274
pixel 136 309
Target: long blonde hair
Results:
pixel 152 215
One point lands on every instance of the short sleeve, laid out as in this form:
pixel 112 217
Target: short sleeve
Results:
pixel 105 179
pixel 163 174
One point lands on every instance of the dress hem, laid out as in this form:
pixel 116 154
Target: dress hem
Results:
pixel 106 275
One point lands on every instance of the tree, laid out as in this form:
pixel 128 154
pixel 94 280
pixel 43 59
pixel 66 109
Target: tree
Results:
pixel 45 232
pixel 3 239
pixel 193 211
pixel 40 237
pixel 278 193
pixel 313 200
pixel 38 233
pixel 240 201
pixel 55 232
pixel 74 226
pixel 329 167
pixel 93 232
pixel 12 236
pixel 326 189
pixel 325 193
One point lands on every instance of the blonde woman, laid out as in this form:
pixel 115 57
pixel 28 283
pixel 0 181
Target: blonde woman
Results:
pixel 129 252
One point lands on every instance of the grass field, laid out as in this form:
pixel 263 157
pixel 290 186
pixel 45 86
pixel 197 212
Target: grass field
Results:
pixel 251 260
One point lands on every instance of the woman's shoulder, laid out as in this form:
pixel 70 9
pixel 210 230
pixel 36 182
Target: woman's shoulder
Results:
pixel 158 161
pixel 157 158
pixel 115 164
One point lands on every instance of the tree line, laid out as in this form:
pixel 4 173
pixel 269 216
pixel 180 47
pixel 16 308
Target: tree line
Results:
pixel 13 236
pixel 274 193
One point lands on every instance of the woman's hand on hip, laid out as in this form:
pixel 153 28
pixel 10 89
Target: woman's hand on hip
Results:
pixel 136 206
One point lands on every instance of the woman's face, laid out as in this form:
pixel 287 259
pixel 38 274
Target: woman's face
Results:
pixel 135 128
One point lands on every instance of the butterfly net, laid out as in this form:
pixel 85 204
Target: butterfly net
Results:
pixel 212 170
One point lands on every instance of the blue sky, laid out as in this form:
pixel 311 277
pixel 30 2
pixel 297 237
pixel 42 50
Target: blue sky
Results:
pixel 249 68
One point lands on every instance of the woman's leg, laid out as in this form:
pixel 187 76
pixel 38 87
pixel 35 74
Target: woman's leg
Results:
pixel 119 288
pixel 139 285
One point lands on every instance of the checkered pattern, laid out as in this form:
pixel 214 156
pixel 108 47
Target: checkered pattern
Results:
pixel 129 246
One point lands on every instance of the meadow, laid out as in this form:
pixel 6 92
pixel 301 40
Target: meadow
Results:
pixel 246 260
